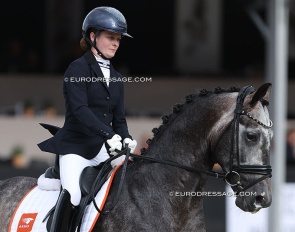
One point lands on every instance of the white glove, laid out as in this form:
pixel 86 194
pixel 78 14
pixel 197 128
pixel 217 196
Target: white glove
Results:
pixel 115 144
pixel 131 144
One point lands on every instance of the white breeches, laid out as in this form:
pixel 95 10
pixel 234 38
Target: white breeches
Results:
pixel 71 167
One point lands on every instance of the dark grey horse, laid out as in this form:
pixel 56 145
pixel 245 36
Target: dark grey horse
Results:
pixel 199 133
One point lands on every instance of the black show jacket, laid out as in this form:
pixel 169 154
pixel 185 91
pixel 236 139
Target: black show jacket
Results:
pixel 94 111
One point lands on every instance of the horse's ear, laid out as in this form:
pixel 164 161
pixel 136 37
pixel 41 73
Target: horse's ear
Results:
pixel 262 93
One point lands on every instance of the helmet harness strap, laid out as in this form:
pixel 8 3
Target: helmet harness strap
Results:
pixel 93 44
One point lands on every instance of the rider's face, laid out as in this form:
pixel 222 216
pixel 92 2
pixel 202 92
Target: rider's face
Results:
pixel 107 42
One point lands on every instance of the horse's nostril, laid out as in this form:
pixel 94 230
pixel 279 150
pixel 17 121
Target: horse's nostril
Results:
pixel 259 200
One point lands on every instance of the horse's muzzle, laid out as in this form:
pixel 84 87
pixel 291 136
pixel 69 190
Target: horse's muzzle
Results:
pixel 256 197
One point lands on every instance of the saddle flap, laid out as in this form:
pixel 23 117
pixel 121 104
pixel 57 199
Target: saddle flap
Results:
pixel 87 178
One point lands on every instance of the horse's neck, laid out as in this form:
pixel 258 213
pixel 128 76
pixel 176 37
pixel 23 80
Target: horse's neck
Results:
pixel 183 142
pixel 188 140
pixel 170 192
pixel 172 188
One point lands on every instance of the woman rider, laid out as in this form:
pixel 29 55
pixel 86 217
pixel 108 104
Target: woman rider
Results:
pixel 95 124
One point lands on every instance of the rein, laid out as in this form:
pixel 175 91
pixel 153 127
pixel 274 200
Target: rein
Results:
pixel 99 181
pixel 232 177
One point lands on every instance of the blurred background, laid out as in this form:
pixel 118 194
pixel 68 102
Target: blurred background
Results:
pixel 182 45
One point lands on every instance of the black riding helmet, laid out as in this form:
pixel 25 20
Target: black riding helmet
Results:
pixel 104 19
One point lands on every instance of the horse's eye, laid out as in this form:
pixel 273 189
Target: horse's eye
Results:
pixel 251 136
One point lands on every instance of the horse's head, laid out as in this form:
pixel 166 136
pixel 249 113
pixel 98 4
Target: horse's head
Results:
pixel 245 147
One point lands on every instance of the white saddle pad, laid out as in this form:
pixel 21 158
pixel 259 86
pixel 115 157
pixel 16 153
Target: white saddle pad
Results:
pixel 29 215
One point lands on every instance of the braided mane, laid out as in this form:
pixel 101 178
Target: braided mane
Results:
pixel 178 108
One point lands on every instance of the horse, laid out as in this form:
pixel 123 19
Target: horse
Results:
pixel 230 127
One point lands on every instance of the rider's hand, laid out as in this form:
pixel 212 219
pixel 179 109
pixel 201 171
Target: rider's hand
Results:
pixel 131 144
pixel 115 144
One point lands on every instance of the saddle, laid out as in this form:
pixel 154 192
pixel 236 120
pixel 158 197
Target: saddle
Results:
pixel 91 181
pixel 87 178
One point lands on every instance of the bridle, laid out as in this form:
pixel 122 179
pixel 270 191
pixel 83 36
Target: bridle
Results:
pixel 232 177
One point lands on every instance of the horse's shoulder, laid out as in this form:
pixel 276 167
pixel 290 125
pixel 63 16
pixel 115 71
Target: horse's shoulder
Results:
pixel 20 180
pixel 12 190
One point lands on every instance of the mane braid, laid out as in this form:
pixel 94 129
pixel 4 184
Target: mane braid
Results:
pixel 177 109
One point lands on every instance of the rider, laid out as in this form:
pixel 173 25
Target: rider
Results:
pixel 95 124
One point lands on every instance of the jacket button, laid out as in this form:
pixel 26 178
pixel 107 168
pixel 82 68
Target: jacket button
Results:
pixel 108 98
pixel 105 115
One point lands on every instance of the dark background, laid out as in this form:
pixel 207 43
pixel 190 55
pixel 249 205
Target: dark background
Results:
pixel 150 52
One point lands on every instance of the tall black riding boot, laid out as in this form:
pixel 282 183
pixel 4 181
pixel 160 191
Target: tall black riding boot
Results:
pixel 63 214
